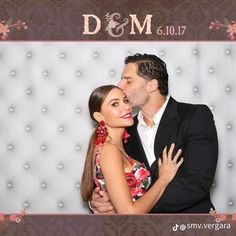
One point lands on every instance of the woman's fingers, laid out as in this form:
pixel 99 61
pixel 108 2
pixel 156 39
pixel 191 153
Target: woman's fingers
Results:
pixel 164 155
pixel 180 162
pixel 167 157
pixel 170 152
pixel 177 155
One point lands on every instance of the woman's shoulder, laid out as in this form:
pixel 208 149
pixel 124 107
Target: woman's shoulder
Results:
pixel 109 148
pixel 109 151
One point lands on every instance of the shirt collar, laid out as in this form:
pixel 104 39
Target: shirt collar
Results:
pixel 156 117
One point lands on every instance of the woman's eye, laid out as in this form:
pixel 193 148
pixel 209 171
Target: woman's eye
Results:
pixel 115 104
pixel 126 100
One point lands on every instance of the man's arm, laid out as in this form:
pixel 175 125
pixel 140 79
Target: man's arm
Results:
pixel 200 154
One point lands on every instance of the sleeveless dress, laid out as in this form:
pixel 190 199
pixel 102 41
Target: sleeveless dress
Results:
pixel 139 179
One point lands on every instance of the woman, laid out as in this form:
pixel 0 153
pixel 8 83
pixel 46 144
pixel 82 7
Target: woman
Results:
pixel 109 167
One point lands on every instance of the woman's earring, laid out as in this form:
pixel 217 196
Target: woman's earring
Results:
pixel 101 133
pixel 125 136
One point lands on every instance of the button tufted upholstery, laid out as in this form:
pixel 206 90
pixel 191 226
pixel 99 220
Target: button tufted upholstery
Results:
pixel 45 125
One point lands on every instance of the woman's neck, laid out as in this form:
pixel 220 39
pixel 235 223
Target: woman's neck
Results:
pixel 115 136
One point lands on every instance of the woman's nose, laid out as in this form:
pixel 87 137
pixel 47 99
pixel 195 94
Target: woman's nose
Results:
pixel 127 106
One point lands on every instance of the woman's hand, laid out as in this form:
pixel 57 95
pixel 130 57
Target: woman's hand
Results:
pixel 168 166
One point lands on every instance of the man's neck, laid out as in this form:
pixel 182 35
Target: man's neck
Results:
pixel 151 108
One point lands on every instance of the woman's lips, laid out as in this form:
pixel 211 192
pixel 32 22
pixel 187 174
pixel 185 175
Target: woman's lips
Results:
pixel 127 116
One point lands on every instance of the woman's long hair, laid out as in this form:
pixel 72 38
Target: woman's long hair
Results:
pixel 96 100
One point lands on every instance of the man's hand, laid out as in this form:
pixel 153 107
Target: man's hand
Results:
pixel 101 203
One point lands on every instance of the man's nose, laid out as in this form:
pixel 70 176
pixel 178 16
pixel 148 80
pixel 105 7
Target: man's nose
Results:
pixel 121 84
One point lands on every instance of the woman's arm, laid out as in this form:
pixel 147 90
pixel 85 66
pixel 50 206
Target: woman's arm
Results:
pixel 112 166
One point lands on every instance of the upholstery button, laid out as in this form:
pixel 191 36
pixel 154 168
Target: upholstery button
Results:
pixel 43 185
pixel 227 51
pixel 43 147
pixel 78 73
pixel 28 128
pixel 77 147
pixel 11 109
pixel 61 128
pixel 228 89
pixel 178 70
pixel 28 91
pixel 229 126
pixel 60 204
pixel 195 89
pixel 95 55
pixel 26 166
pixel 10 147
pixel 212 107
pixel 112 73
pixel 60 166
pixel 77 109
pixel 230 164
pixel 26 204
pixel 45 73
pixel 61 91
pixel 9 184
pixel 195 51
pixel 62 55
pixel 129 53
pixel 29 54
pixel 77 185
pixel 13 73
pixel 211 70
pixel 44 109
pixel 162 53
pixel 230 203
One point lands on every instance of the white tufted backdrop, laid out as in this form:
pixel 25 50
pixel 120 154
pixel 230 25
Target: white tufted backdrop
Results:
pixel 45 125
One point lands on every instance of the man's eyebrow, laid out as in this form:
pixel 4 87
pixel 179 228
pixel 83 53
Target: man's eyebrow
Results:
pixel 126 77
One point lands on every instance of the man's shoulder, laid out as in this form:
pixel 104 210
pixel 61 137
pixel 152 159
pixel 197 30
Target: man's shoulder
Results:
pixel 191 107
pixel 190 110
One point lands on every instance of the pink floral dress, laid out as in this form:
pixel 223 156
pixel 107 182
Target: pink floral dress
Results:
pixel 139 179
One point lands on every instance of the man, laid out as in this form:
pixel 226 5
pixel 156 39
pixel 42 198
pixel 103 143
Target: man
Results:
pixel 160 122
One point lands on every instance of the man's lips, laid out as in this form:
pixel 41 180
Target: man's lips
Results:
pixel 127 116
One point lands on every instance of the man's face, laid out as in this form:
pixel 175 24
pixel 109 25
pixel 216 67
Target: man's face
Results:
pixel 134 86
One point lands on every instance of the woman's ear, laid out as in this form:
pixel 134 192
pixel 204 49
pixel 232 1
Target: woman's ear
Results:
pixel 98 116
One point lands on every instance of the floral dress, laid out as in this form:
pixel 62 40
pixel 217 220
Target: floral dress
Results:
pixel 139 179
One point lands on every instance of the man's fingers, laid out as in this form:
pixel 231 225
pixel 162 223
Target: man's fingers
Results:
pixel 105 212
pixel 104 196
pixel 96 195
pixel 101 204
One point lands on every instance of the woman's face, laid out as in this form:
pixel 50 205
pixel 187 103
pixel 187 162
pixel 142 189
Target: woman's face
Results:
pixel 116 109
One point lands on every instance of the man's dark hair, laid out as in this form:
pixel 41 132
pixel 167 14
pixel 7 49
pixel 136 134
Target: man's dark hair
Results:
pixel 151 67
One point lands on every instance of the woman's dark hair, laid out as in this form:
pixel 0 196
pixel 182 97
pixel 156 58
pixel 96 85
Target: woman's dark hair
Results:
pixel 96 100
pixel 151 67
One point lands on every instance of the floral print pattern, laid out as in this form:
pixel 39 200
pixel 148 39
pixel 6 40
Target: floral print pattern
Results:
pixel 229 25
pixel 5 27
pixel 139 179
